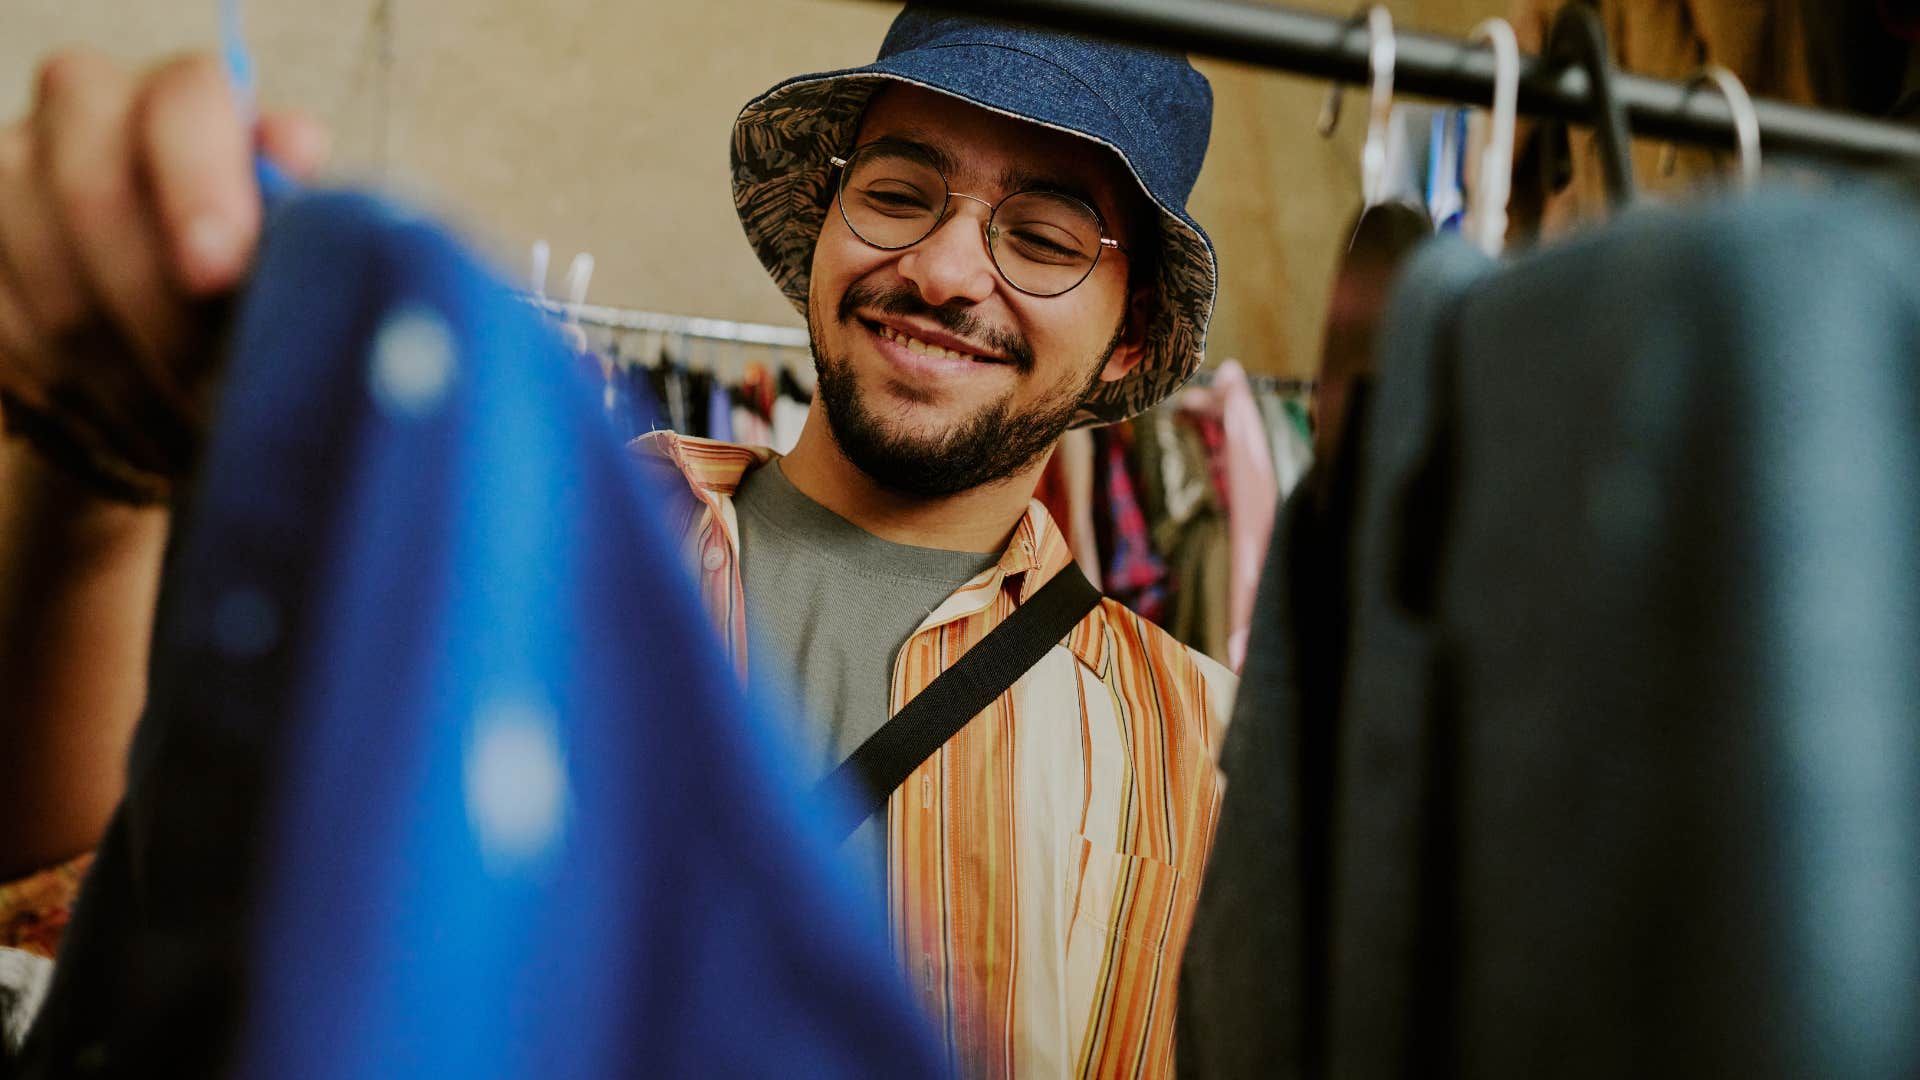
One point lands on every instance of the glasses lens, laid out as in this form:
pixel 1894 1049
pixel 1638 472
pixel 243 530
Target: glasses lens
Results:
pixel 1045 243
pixel 891 197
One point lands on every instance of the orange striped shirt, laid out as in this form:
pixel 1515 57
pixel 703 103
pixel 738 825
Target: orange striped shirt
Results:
pixel 1042 866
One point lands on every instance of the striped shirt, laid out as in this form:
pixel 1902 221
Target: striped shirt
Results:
pixel 1042 866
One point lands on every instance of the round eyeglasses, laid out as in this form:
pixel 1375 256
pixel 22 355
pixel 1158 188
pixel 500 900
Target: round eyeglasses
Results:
pixel 1043 242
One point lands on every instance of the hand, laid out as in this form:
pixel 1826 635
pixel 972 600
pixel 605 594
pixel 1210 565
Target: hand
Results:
pixel 127 203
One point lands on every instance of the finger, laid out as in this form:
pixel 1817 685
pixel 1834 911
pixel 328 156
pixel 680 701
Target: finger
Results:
pixel 197 158
pixel 32 250
pixel 84 152
pixel 294 141
pixel 21 373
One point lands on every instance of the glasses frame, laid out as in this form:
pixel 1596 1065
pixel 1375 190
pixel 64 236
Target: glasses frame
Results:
pixel 987 230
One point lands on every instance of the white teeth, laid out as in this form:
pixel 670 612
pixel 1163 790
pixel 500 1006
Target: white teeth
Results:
pixel 915 345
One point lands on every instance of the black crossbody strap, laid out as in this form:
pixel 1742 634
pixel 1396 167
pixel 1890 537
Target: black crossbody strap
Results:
pixel 960 693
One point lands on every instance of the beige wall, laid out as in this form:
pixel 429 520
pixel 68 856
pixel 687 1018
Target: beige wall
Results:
pixel 602 125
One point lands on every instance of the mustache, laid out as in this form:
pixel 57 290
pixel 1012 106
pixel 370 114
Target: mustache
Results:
pixel 904 301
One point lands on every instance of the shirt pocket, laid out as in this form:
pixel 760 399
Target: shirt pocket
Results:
pixel 1123 899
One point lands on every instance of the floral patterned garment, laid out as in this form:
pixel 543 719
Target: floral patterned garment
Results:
pixel 34 910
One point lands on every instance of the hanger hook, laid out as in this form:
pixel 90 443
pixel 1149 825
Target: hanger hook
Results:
pixel 579 276
pixel 539 256
pixel 1577 36
pixel 1495 182
pixel 1380 61
pixel 1746 121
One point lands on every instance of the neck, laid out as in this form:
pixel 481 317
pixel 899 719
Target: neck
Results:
pixel 981 519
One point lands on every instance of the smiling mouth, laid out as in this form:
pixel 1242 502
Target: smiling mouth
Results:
pixel 925 348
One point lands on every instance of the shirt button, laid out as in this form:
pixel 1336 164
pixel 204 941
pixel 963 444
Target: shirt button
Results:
pixel 714 558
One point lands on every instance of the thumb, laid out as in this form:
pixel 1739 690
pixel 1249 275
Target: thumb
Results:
pixel 294 141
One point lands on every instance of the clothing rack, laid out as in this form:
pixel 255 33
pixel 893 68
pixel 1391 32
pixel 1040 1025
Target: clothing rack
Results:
pixel 1279 384
pixel 1282 384
pixel 1451 69
pixel 691 326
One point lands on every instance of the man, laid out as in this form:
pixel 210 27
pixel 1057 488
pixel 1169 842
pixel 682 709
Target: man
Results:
pixel 985 229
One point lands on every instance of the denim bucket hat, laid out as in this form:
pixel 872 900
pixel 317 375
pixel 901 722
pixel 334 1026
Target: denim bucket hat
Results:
pixel 1150 108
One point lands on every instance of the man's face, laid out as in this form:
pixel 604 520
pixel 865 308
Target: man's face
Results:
pixel 915 419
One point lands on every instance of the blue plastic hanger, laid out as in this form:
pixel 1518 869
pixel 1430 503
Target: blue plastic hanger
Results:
pixel 274 184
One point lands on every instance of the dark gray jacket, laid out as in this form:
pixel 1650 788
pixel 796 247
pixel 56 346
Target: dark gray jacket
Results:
pixel 1621 770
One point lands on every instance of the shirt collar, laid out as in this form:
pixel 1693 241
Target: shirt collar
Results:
pixel 711 468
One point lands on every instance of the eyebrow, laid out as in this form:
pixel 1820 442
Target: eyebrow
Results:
pixel 1014 179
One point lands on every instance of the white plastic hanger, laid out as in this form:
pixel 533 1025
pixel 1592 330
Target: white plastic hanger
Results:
pixel 1746 123
pixel 539 258
pixel 1380 58
pixel 579 275
pixel 1493 187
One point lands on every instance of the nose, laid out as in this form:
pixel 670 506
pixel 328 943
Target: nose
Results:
pixel 952 263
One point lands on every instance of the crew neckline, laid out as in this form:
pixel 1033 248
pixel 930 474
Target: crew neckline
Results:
pixel 768 494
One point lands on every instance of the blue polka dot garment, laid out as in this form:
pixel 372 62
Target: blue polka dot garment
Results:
pixel 522 820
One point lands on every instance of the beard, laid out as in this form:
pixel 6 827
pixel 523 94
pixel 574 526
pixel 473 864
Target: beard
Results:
pixel 990 446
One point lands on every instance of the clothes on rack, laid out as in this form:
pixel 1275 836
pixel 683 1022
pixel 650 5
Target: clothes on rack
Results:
pixel 1134 573
pixel 1194 532
pixel 719 411
pixel 1169 513
pixel 1290 435
pixel 1075 457
pixel 667 390
pixel 789 418
pixel 1253 497
pixel 1537 664
pixel 402 790
pixel 790 406
pixel 753 407
pixel 1447 168
pixel 673 390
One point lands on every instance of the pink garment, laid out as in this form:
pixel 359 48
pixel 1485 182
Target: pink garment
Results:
pixel 1253 498
pixel 749 429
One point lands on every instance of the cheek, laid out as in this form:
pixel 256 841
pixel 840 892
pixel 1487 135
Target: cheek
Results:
pixel 840 259
pixel 1069 332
